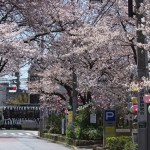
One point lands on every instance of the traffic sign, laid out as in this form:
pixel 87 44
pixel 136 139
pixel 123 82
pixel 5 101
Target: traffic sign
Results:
pixel 110 131
pixel 109 124
pixel 110 115
pixel 12 88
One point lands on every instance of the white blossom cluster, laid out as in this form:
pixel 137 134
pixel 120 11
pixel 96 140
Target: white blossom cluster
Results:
pixel 96 41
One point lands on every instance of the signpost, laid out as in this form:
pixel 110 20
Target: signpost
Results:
pixel 110 115
pixel 63 126
pixel 109 124
pixel 70 116
pixel 92 118
pixel 13 89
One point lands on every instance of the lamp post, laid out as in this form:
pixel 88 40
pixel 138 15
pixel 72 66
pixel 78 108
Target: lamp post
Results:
pixel 142 63
pixel 142 69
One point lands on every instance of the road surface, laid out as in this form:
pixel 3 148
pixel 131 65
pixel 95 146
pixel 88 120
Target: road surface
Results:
pixel 26 140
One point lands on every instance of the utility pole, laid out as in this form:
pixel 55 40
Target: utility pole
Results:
pixel 142 69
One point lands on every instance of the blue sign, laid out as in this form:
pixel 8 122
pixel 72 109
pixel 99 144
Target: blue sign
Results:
pixel 110 115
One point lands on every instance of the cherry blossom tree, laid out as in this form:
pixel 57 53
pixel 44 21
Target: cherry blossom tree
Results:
pixel 87 46
pixel 97 39
pixel 14 52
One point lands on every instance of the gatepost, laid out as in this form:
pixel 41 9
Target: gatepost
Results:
pixel 109 124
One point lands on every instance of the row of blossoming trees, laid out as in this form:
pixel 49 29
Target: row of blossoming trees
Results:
pixel 98 40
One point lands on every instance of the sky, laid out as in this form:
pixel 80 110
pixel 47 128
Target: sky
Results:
pixel 23 78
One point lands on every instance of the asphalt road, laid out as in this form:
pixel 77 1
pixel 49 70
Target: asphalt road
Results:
pixel 26 140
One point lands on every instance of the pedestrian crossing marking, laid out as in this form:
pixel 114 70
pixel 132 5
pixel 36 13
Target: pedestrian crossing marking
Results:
pixel 19 134
pixel 28 133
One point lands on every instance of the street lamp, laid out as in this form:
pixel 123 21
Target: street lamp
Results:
pixel 142 63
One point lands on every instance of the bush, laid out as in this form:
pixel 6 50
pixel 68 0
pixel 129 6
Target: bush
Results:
pixel 92 134
pixel 82 134
pixel 54 129
pixel 88 133
pixel 118 143
pixel 85 130
pixel 129 146
pixel 45 131
pixel 136 147
pixel 55 123
pixel 70 132
pixel 77 132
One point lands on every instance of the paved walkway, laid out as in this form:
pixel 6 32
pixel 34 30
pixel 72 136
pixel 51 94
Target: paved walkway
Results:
pixel 89 148
pixel 83 148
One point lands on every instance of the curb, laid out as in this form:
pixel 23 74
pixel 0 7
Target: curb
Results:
pixel 58 142
pixel 94 147
pixel 98 148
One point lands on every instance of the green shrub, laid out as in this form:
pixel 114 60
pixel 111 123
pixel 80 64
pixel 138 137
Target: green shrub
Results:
pixel 136 146
pixel 88 133
pixel 129 146
pixel 83 118
pixel 83 134
pixel 48 127
pixel 55 123
pixel 99 132
pixel 70 132
pixel 77 132
pixel 45 131
pixel 54 129
pixel 117 143
pixel 92 134
pixel 85 130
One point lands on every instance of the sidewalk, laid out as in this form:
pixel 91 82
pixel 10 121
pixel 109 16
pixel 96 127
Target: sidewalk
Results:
pixel 84 148
pixel 92 147
pixel 89 147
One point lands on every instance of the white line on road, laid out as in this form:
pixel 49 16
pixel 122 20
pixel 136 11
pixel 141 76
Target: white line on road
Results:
pixel 20 133
pixel 28 133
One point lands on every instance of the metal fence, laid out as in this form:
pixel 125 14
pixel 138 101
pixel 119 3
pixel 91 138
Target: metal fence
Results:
pixel 21 116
